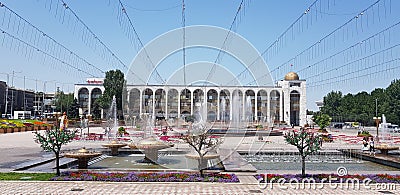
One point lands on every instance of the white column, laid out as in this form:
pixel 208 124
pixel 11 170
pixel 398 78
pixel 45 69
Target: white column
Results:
pixel 179 104
pixel 243 106
pixel 128 102
pixel 90 103
pixel 166 104
pixel 154 103
pixel 218 103
pixel 269 107
pixel 230 105
pixel 255 106
pixel 191 102
pixel 281 111
pixel 205 111
pixel 141 102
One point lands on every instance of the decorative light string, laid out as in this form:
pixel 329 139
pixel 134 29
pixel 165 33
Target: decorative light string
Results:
pixel 221 51
pixel 139 44
pixel 281 41
pixel 42 40
pixel 32 48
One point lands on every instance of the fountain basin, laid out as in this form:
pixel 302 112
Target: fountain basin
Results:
pixel 150 147
pixel 114 146
pixel 384 148
pixel 83 157
pixel 206 157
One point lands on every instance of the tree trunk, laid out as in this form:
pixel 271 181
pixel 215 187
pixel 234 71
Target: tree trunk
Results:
pixel 201 166
pixel 58 163
pixel 303 166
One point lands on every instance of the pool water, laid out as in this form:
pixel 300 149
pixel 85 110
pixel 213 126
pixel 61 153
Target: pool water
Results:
pixel 326 162
pixel 132 162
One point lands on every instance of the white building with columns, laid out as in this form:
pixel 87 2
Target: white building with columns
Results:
pixel 285 102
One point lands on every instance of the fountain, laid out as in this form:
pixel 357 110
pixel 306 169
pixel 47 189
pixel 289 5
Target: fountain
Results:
pixel 112 120
pixel 83 157
pixel 236 106
pixel 201 142
pixel 385 140
pixel 150 144
pixel 114 146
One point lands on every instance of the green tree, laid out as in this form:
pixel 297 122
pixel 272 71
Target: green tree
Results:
pixel 363 106
pixel 63 101
pixel 306 142
pixel 332 103
pixel 52 140
pixel 322 120
pixel 393 96
pixel 96 110
pixel 113 86
pixel 73 110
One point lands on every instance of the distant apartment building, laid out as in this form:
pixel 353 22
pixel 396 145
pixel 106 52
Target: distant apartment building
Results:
pixel 13 99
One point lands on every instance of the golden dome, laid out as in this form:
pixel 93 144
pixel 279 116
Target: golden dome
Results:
pixel 291 76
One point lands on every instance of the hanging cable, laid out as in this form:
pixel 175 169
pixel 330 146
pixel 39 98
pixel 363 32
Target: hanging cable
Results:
pixel 274 44
pixel 44 53
pixel 140 41
pixel 222 49
pixel 184 42
pixel 68 51
pixel 105 47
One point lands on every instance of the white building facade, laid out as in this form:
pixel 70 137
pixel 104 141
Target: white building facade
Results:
pixel 285 102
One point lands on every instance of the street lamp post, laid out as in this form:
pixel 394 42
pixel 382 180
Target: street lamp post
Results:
pixel 377 121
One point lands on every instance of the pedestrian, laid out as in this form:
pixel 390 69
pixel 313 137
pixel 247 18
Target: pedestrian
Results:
pixel 371 145
pixel 365 144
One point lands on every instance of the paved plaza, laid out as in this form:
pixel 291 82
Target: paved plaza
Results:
pixel 16 148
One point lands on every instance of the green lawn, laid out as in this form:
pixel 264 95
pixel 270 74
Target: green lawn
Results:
pixel 27 176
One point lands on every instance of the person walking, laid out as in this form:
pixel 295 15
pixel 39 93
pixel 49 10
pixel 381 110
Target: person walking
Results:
pixel 371 145
pixel 365 144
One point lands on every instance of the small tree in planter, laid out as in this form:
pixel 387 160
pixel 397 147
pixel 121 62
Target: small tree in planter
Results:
pixel 306 142
pixel 203 143
pixel 52 140
pixel 322 120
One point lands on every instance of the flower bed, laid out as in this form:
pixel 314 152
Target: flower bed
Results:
pixel 326 178
pixel 17 125
pixel 145 177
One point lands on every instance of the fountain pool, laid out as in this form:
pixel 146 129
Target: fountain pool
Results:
pixel 321 162
pixel 166 160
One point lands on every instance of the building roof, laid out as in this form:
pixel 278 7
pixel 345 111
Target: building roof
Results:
pixel 291 76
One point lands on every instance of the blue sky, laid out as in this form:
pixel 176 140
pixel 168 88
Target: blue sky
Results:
pixel 260 22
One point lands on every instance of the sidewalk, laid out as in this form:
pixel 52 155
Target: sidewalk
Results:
pixel 16 148
pixel 20 187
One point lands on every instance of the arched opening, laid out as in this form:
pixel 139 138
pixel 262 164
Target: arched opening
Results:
pixel 212 105
pixel 198 101
pixel 147 102
pixel 295 108
pixel 172 104
pixel 83 100
pixel 95 108
pixel 262 106
pixel 159 103
pixel 134 102
pixel 186 102
pixel 275 106
pixel 224 105
pixel 249 106
pixel 237 106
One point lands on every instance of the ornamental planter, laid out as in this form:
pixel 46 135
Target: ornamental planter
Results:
pixel 28 128
pixel 22 129
pixel 2 130
pixel 10 130
pixel 35 128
